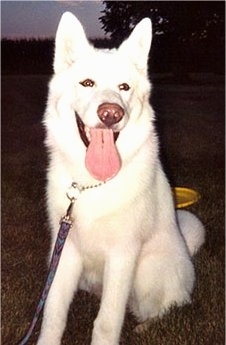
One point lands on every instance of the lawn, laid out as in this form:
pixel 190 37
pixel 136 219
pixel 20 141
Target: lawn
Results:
pixel 190 121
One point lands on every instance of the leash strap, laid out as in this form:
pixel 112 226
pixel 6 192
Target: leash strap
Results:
pixel 66 223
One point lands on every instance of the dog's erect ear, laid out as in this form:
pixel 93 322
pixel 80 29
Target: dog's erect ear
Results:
pixel 70 42
pixel 138 44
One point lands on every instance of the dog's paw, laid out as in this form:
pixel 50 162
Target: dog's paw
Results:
pixel 142 327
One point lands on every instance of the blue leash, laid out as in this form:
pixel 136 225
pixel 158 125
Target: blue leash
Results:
pixel 66 224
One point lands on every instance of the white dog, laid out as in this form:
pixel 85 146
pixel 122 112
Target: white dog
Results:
pixel 127 241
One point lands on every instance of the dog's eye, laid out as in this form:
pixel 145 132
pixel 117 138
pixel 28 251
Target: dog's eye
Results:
pixel 87 83
pixel 124 87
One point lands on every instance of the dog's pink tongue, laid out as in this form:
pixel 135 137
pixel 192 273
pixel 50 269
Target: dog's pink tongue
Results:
pixel 102 158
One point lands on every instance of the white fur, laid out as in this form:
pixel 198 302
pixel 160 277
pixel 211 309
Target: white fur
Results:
pixel 126 236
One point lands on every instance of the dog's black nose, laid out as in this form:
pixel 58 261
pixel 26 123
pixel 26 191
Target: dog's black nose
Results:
pixel 110 113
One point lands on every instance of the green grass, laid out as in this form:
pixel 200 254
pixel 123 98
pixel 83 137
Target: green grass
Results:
pixel 190 119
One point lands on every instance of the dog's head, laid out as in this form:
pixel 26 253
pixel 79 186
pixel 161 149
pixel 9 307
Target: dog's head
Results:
pixel 105 89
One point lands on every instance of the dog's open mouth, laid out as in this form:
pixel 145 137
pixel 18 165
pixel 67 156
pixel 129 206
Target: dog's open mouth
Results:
pixel 84 131
pixel 102 159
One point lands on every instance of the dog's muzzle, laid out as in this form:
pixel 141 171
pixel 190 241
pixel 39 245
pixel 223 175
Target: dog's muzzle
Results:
pixel 109 114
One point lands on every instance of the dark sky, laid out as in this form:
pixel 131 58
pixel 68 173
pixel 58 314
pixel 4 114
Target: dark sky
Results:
pixel 40 18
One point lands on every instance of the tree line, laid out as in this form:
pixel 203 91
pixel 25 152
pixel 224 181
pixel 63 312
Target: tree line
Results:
pixel 189 36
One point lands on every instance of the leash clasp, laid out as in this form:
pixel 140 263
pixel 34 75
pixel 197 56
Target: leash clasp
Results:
pixel 68 218
pixel 72 194
pixel 70 207
pixel 74 191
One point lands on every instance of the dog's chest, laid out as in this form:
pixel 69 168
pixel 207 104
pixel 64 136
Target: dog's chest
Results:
pixel 93 251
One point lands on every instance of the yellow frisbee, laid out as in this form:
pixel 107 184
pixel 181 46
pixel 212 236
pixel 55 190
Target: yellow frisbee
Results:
pixel 185 196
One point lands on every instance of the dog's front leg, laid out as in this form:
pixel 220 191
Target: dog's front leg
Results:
pixel 60 296
pixel 118 275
